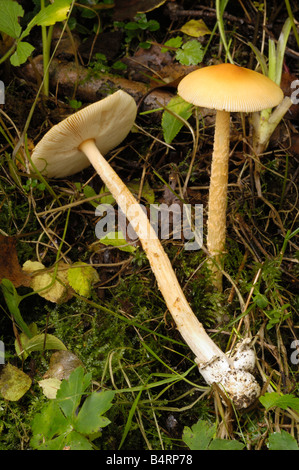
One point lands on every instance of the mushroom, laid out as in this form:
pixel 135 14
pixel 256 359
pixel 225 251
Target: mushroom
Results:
pixel 225 88
pixel 82 138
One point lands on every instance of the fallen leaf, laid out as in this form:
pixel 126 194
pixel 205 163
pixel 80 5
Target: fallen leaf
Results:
pixel 62 363
pixel 57 292
pixel 195 28
pixel 9 263
pixel 14 383
pixel 50 387
pixel 81 277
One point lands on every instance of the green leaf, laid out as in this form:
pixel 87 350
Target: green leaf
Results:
pixel 75 441
pixel 171 125
pixel 172 43
pixel 12 300
pixel 282 441
pixel 81 277
pixel 191 53
pixel 21 342
pixel 117 240
pixel 261 300
pixel 48 424
pixel 90 192
pixel 270 400
pixel 69 395
pixel 23 51
pixel 225 444
pixel 10 12
pixel 90 419
pixel 42 342
pixel 53 13
pixel 199 436
pixel 108 199
pixel 147 192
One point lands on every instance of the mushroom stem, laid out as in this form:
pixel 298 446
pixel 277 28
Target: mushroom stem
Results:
pixel 218 195
pixel 214 365
pixel 190 328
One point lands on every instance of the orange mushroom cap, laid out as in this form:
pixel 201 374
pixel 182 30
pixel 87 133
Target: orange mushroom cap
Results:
pixel 228 87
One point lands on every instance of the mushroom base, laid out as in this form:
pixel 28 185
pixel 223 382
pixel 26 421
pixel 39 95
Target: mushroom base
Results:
pixel 233 375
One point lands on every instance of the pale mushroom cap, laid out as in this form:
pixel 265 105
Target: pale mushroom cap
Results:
pixel 108 122
pixel 227 87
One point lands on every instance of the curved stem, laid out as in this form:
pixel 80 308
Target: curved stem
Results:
pixel 188 325
pixel 214 365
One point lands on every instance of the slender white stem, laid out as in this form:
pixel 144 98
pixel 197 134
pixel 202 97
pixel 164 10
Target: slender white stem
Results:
pixel 218 192
pixel 214 365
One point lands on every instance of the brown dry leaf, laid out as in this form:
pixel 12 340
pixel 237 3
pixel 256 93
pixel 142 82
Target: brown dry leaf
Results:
pixel 9 263
pixel 62 363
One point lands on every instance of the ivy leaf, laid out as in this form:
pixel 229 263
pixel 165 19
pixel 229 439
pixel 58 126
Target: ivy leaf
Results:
pixel 171 125
pixel 9 23
pixel 191 53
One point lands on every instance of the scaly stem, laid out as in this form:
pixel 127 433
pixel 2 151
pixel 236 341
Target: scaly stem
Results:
pixel 218 195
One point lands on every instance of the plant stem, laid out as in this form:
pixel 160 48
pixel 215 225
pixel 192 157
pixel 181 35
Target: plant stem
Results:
pixel 220 7
pixel 290 13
